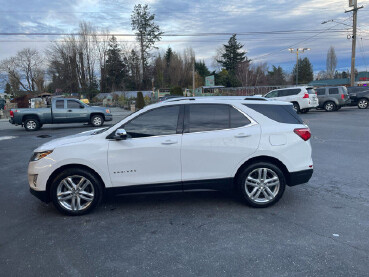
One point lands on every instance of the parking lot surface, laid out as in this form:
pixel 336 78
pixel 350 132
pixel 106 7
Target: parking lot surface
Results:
pixel 317 229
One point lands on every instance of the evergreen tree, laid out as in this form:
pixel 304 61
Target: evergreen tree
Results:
pixel 115 67
pixel 140 101
pixel 176 91
pixel 276 76
pixel 147 33
pixel 8 89
pixel 232 55
pixel 202 69
pixel 168 56
pixel 305 71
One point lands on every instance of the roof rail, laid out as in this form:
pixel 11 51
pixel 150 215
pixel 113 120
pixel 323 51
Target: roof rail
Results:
pixel 256 98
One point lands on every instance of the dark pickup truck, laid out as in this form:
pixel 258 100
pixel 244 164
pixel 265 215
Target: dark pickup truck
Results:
pixel 63 110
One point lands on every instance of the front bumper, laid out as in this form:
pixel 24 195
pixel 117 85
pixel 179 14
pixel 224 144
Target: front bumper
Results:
pixel 108 117
pixel 300 177
pixel 42 195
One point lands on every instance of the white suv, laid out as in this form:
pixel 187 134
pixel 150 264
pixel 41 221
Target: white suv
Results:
pixel 302 98
pixel 250 144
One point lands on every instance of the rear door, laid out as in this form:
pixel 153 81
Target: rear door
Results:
pixel 59 111
pixel 216 139
pixel 76 111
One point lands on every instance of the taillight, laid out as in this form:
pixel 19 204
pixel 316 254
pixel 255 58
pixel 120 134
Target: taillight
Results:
pixel 342 96
pixel 303 133
pixel 306 95
pixel 11 113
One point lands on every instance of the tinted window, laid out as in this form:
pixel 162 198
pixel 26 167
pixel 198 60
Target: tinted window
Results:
pixel 311 90
pixel 73 104
pixel 271 94
pixel 320 91
pixel 59 104
pixel 282 93
pixel 238 119
pixel 158 122
pixel 333 91
pixel 279 113
pixel 293 91
pixel 205 117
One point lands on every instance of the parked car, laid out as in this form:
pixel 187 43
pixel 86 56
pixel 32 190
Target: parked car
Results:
pixel 62 110
pixel 333 98
pixel 257 147
pixel 302 98
pixel 359 96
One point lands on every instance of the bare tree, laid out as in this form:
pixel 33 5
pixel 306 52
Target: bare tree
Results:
pixel 25 70
pixel 331 62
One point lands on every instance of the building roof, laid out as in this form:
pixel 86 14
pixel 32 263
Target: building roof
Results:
pixel 331 82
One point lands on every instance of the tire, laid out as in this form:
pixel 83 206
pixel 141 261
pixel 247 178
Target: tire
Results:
pixel 304 110
pixel 296 107
pixel 330 106
pixel 76 198
pixel 97 120
pixel 32 124
pixel 254 191
pixel 363 103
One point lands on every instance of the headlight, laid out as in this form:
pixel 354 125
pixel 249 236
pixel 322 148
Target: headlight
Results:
pixel 39 155
pixel 107 111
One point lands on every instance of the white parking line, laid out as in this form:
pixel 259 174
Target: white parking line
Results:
pixel 7 137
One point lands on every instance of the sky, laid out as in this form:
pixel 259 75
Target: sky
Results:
pixel 266 28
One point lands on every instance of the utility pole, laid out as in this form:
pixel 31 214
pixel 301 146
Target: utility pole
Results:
pixel 297 51
pixel 193 78
pixel 353 3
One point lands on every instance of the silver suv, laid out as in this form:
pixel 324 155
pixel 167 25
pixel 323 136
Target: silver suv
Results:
pixel 333 98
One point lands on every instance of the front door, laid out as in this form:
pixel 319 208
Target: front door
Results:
pixel 151 153
pixel 76 111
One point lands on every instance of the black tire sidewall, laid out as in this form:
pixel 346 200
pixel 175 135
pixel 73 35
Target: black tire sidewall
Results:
pixel 82 172
pixel 92 120
pixel 38 125
pixel 242 177
pixel 297 109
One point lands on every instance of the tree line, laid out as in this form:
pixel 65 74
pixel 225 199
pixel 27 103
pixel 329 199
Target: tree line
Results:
pixel 94 61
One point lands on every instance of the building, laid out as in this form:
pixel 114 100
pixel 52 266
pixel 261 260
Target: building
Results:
pixel 362 79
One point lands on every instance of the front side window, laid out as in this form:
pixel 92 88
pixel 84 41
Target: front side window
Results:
pixel 71 104
pixel 159 122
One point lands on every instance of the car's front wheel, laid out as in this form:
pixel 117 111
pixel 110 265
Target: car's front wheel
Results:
pixel 97 120
pixel 363 103
pixel 76 191
pixel 261 184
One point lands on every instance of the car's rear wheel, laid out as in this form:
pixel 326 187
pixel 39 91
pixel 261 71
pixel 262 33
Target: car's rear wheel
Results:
pixel 32 124
pixel 363 103
pixel 261 184
pixel 76 191
pixel 296 107
pixel 330 106
pixel 97 120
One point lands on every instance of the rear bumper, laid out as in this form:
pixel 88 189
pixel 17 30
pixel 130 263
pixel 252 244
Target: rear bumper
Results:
pixel 42 195
pixel 300 177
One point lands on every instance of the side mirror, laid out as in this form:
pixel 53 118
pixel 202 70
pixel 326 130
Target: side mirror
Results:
pixel 120 134
pixel 81 107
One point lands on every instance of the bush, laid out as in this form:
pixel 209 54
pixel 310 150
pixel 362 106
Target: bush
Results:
pixel 176 91
pixel 140 102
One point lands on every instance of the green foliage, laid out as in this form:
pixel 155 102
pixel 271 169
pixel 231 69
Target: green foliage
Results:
pixel 232 55
pixel 140 102
pixel 276 76
pixel 202 69
pixel 168 56
pixel 115 67
pixel 305 71
pixel 224 78
pixel 8 89
pixel 176 91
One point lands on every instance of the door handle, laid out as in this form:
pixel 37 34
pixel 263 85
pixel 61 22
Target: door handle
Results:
pixel 242 135
pixel 169 141
pixel 69 110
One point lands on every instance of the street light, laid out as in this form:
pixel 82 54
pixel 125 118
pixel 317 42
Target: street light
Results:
pixel 297 51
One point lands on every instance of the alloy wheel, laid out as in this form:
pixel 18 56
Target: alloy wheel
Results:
pixel 262 185
pixel 97 121
pixel 31 125
pixel 363 104
pixel 75 193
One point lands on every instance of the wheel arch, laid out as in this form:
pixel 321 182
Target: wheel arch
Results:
pixel 264 158
pixel 64 167
pixel 28 116
pixel 97 113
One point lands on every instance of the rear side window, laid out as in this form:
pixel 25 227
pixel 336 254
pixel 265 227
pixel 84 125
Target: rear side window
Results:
pixel 320 91
pixel 207 117
pixel 59 104
pixel 311 91
pixel 238 119
pixel 333 91
pixel 290 92
pixel 279 113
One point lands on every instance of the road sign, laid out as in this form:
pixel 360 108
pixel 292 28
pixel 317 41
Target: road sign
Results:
pixel 209 81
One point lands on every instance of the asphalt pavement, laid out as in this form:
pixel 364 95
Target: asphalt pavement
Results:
pixel 317 229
